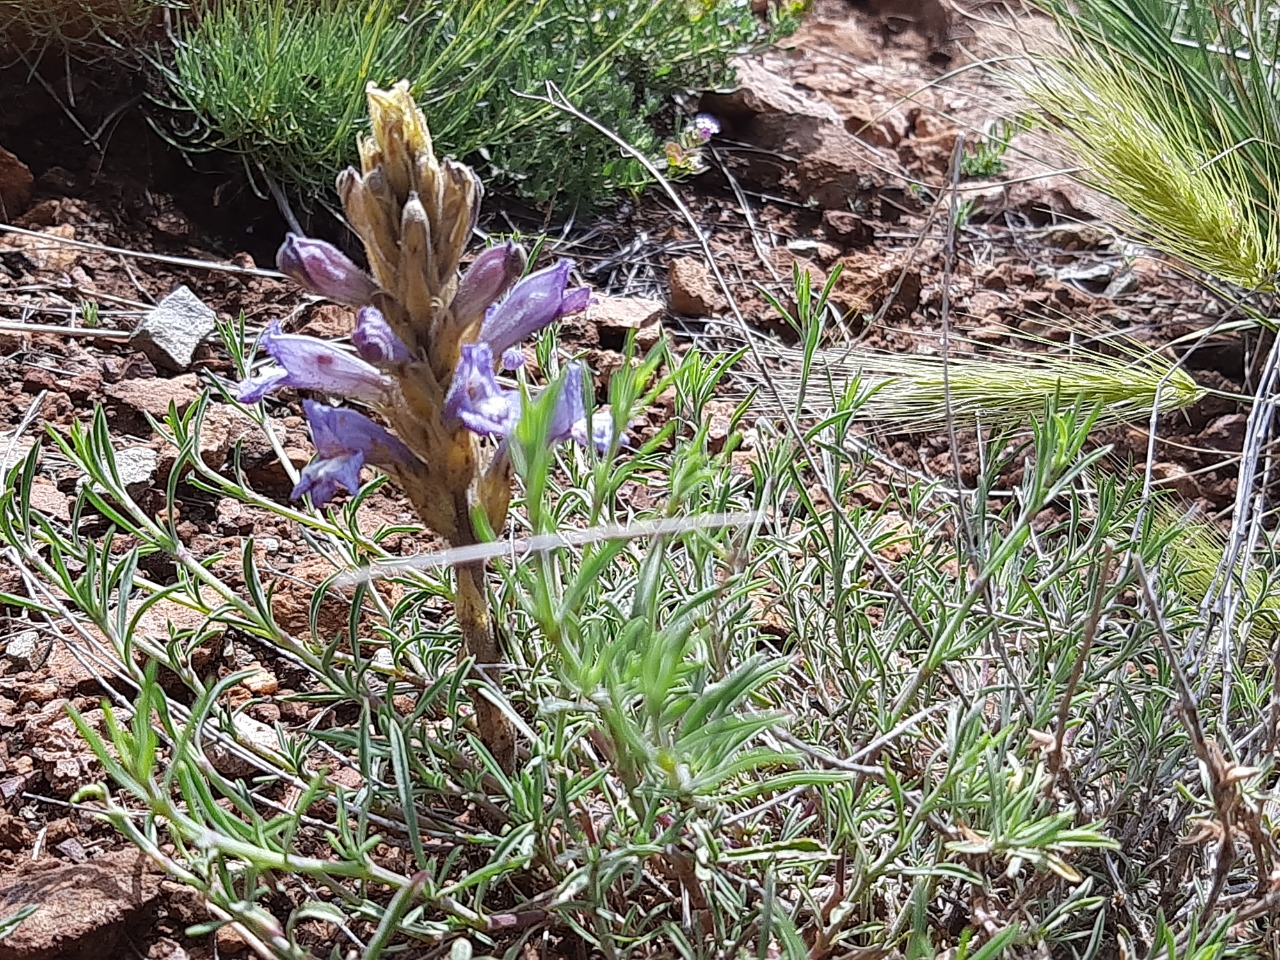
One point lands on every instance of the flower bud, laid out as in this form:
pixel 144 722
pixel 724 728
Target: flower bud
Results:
pixel 490 275
pixel 375 341
pixel 325 270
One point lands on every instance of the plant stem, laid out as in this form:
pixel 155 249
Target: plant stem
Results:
pixel 481 644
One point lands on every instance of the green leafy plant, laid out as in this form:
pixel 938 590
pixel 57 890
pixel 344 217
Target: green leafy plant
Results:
pixel 281 82
pixel 984 157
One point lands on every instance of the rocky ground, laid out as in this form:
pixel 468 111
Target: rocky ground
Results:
pixel 836 151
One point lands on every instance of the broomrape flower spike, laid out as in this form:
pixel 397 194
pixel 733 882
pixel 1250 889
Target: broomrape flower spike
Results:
pixel 428 341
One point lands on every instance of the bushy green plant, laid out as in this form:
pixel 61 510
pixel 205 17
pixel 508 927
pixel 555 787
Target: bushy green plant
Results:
pixel 984 157
pixel 282 82
pixel 757 715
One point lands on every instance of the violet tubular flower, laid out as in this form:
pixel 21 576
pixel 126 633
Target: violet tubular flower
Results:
pixel 308 363
pixel 475 398
pixel 375 341
pixel 325 270
pixel 535 302
pixel 345 442
pixel 569 416
pixel 569 419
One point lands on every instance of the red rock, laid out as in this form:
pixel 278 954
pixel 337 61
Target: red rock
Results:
pixel 50 501
pixel 262 682
pixel 1177 478
pixel 86 908
pixel 776 116
pixel 15 186
pixel 719 414
pixel 847 227
pixel 153 396
pixel 46 253
pixel 692 291
pixel 327 321
pixel 35 379
pixel 615 317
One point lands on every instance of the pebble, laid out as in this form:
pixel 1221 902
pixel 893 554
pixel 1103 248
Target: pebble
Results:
pixel 137 466
pixel 26 650
pixel 615 317
pixel 171 331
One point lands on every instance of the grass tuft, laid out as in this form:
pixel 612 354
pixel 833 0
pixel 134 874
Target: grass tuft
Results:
pixel 1174 110
pixel 1140 144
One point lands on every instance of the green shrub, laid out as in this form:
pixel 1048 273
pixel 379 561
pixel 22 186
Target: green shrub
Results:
pixel 282 83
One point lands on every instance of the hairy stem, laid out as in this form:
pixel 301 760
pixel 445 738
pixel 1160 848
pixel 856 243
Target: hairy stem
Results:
pixel 481 643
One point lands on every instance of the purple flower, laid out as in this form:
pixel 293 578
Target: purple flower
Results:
pixel 322 478
pixel 569 416
pixel 325 270
pixel 311 364
pixel 483 406
pixel 512 358
pixel 537 300
pixel 345 441
pixel 375 341
pixel 475 398
pixel 602 431
pixel 490 275
pixel 705 126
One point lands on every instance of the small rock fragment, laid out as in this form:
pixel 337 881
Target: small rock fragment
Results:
pixel 50 501
pixel 15 186
pixel 615 317
pixel 845 226
pixel 1091 277
pixel 262 682
pixel 26 650
pixel 137 466
pixel 1122 284
pixel 1077 236
pixel 44 252
pixel 692 292
pixel 253 737
pixel 719 415
pixel 85 908
pixel 154 395
pixel 166 949
pixel 1177 478
pixel 229 942
pixel 220 429
pixel 72 849
pixel 233 517
pixel 328 321
pixel 170 333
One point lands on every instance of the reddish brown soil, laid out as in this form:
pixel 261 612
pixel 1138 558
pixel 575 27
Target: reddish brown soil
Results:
pixel 822 163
